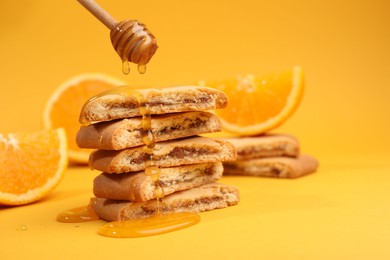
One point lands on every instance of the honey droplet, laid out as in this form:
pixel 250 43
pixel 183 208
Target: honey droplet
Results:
pixel 159 192
pixel 152 170
pixel 21 227
pixel 141 68
pixel 146 121
pixel 148 139
pixel 125 67
pixel 77 215
pixel 159 201
pixel 154 225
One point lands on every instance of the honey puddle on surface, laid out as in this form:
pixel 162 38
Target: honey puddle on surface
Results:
pixel 151 226
pixel 156 224
pixel 77 215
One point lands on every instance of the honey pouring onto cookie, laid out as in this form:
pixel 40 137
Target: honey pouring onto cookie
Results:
pixel 157 173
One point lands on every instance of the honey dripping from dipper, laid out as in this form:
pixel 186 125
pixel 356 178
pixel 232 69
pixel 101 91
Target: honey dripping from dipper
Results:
pixel 131 39
pixel 134 43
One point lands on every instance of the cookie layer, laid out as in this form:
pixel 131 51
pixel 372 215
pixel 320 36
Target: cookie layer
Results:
pixel 282 167
pixel 184 151
pixel 270 145
pixel 140 187
pixel 126 133
pixel 202 198
pixel 124 102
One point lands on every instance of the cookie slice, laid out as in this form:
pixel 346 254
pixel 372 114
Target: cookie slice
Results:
pixel 202 198
pixel 269 145
pixel 125 101
pixel 191 150
pixel 140 187
pixel 282 167
pixel 127 133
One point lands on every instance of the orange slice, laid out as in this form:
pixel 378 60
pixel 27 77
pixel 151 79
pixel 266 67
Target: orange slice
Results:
pixel 259 104
pixel 64 106
pixel 31 165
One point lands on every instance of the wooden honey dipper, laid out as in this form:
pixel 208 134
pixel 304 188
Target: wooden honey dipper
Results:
pixel 131 39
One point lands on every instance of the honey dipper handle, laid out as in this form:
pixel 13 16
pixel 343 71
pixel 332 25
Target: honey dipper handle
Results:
pixel 99 13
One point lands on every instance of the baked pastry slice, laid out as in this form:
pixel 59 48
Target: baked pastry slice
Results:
pixel 140 187
pixel 202 198
pixel 282 167
pixel 125 102
pixel 126 133
pixel 269 145
pixel 191 150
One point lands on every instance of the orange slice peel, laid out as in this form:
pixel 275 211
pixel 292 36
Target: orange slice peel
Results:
pixel 64 106
pixel 32 164
pixel 259 104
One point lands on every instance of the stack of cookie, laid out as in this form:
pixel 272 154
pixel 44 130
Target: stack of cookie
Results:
pixel 188 165
pixel 270 155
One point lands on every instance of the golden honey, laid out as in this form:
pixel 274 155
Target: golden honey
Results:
pixel 155 225
pixel 77 215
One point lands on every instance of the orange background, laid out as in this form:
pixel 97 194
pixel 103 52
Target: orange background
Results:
pixel 343 47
